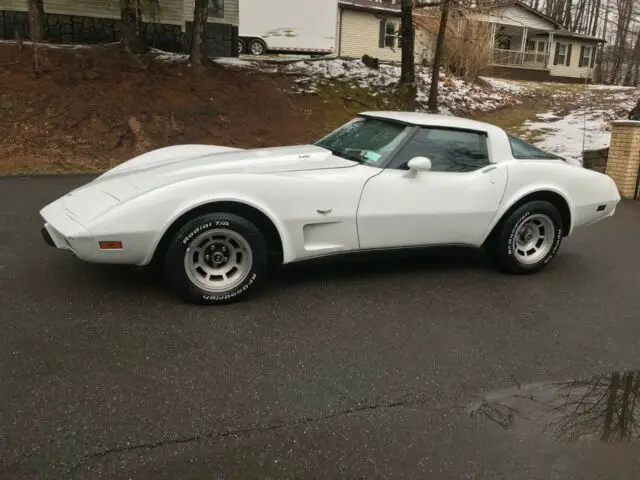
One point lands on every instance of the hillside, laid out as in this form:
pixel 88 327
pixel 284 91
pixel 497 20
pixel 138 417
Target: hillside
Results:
pixel 89 108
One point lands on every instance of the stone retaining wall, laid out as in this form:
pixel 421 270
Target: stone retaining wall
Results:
pixel 596 159
pixel 623 164
pixel 222 38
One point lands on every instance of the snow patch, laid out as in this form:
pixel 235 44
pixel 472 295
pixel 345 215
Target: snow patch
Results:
pixel 454 95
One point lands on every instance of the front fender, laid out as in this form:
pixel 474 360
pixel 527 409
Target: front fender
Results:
pixel 247 200
pixel 149 215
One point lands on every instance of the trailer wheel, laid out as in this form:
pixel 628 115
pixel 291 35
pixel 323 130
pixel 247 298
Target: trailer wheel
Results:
pixel 241 46
pixel 257 47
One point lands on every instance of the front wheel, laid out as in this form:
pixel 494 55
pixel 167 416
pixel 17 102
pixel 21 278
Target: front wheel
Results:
pixel 528 239
pixel 216 258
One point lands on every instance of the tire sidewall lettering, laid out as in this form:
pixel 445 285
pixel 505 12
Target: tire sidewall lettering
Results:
pixel 517 225
pixel 245 286
pixel 188 237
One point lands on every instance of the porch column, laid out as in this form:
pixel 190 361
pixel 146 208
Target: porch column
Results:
pixel 549 42
pixel 493 42
pixel 493 35
pixel 523 45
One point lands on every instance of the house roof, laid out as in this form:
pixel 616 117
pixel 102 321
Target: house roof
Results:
pixel 531 10
pixel 578 36
pixel 393 9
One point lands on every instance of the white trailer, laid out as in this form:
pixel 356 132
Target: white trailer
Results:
pixel 292 26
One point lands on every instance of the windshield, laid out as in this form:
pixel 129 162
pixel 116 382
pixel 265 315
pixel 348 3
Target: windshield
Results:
pixel 365 140
pixel 525 151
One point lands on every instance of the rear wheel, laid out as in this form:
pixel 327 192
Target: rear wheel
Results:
pixel 257 47
pixel 528 239
pixel 216 258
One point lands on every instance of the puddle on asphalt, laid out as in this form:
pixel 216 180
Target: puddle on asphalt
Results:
pixel 603 408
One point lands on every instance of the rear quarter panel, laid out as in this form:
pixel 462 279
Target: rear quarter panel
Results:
pixel 582 189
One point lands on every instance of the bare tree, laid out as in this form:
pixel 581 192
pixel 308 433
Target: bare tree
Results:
pixel 198 55
pixel 625 8
pixel 37 29
pixel 437 58
pixel 407 29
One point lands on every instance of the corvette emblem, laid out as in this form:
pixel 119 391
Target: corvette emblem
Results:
pixel 325 212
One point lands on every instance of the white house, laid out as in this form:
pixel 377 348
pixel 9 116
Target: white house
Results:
pixel 529 45
pixel 526 44
pixel 372 27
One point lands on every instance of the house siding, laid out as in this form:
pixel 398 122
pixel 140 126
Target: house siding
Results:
pixel 515 16
pixel 573 70
pixel 360 34
pixel 231 12
pixel 172 12
pixel 82 8
pixel 98 21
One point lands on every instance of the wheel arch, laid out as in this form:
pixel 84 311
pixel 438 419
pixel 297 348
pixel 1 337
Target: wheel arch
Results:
pixel 554 197
pixel 273 235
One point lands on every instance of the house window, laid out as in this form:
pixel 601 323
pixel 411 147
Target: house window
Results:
pixel 562 53
pixel 585 58
pixel 390 35
pixel 216 8
pixel 538 46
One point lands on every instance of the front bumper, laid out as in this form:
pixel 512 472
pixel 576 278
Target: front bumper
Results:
pixel 47 237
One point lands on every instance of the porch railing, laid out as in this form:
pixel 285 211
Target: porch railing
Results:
pixel 515 58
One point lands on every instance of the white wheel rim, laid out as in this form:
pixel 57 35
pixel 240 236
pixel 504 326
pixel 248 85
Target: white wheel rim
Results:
pixel 218 260
pixel 256 48
pixel 533 239
pixel 240 47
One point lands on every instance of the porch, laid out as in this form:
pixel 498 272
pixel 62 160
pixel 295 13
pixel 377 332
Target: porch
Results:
pixel 520 47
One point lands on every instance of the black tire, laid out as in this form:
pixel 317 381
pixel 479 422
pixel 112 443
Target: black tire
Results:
pixel 242 47
pixel 176 271
pixel 500 247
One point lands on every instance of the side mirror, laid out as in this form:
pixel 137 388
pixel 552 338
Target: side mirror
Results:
pixel 419 164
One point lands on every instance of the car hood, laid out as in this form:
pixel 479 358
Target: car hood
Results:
pixel 170 165
pixel 173 164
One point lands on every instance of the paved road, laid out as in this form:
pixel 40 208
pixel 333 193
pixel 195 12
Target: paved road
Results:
pixel 351 370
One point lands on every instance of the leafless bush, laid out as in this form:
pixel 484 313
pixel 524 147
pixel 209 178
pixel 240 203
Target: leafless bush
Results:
pixel 467 45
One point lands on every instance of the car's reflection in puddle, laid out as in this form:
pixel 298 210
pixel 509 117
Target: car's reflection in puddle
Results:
pixel 603 408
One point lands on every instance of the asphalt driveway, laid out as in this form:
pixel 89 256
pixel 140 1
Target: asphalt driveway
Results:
pixel 348 370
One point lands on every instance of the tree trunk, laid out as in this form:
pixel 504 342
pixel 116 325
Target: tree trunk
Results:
pixel 407 69
pixel 595 18
pixel 198 55
pixel 624 17
pixel 37 30
pixel 132 36
pixel 437 58
pixel 635 54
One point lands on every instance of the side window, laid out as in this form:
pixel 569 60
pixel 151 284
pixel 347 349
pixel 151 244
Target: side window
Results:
pixel 449 150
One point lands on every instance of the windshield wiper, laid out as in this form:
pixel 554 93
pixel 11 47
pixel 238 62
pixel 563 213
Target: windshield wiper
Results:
pixel 340 153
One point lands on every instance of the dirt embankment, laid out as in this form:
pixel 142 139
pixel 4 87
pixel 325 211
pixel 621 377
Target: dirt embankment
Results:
pixel 87 109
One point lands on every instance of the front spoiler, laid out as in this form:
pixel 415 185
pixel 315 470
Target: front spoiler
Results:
pixel 47 237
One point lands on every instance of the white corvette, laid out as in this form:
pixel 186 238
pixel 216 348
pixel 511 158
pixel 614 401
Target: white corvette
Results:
pixel 213 217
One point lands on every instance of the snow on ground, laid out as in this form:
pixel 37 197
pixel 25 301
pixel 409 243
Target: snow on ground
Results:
pixel 566 135
pixel 454 94
pixel 585 128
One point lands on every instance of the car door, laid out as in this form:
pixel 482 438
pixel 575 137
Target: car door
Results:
pixel 453 203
